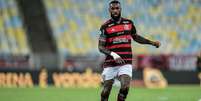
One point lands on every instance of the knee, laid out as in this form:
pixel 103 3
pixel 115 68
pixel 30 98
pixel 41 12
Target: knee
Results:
pixel 105 92
pixel 125 81
pixel 124 88
pixel 125 85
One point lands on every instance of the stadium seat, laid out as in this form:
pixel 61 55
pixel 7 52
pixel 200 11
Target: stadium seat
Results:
pixel 174 23
pixel 12 31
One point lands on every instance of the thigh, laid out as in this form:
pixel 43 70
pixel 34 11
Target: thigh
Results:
pixel 125 70
pixel 109 73
pixel 108 83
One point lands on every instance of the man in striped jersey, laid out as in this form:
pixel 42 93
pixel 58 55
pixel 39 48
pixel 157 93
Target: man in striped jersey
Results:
pixel 115 43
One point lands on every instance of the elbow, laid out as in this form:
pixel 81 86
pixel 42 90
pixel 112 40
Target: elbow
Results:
pixel 138 41
pixel 101 49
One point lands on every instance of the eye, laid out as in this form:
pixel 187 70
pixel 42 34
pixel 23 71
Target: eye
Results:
pixel 113 8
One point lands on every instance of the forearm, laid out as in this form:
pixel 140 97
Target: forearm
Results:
pixel 141 39
pixel 103 50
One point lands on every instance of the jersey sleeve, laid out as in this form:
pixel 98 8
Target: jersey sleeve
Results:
pixel 102 36
pixel 133 29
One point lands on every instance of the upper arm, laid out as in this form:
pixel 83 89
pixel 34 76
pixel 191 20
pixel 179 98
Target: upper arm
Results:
pixel 133 31
pixel 102 38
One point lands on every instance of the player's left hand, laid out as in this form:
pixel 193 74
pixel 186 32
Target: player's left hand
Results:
pixel 157 44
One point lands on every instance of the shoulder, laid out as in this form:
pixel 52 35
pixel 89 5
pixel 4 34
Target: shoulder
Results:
pixel 105 24
pixel 125 20
pixel 128 21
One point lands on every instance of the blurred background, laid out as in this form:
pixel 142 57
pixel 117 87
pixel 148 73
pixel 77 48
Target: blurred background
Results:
pixel 61 36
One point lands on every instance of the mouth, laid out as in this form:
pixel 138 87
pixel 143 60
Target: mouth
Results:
pixel 115 14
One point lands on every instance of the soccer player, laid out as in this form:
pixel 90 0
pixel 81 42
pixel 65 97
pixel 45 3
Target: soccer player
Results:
pixel 115 43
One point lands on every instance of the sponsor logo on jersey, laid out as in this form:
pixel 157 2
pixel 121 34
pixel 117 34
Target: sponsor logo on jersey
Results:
pixel 120 40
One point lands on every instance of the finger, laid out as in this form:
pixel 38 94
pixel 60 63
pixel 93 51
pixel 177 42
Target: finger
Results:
pixel 124 62
pixel 120 61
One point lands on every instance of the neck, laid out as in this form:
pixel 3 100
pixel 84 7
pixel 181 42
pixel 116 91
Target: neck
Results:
pixel 117 20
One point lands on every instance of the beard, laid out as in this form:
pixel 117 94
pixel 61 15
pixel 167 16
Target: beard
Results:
pixel 116 18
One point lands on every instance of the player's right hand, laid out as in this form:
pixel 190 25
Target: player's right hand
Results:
pixel 117 58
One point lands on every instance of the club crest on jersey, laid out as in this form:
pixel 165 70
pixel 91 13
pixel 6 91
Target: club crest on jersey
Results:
pixel 126 27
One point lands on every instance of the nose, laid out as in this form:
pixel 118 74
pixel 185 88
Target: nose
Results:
pixel 115 10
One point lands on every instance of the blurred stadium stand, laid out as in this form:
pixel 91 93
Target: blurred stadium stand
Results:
pixel 13 38
pixel 74 27
pixel 14 49
pixel 175 23
pixel 63 35
pixel 39 34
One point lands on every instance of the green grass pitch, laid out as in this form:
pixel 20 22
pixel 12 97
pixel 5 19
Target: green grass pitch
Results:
pixel 172 93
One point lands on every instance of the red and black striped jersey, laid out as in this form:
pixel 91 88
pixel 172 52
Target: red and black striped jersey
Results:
pixel 118 37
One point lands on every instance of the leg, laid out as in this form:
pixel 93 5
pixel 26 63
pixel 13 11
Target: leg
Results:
pixel 107 86
pixel 108 76
pixel 125 85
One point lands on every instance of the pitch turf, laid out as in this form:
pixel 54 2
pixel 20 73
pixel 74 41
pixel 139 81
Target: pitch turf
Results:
pixel 172 93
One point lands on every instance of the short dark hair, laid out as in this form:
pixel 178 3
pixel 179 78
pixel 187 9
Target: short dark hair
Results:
pixel 114 1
